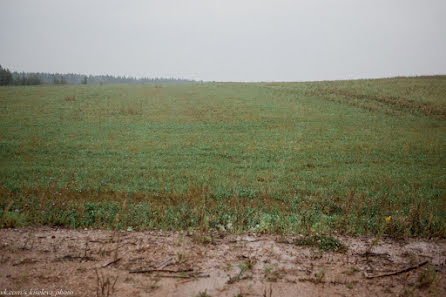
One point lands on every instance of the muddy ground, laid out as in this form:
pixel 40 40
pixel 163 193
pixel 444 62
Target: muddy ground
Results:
pixel 44 261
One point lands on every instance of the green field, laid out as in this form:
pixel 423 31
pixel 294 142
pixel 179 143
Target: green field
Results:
pixel 316 157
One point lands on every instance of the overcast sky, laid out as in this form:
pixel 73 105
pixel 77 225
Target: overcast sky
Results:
pixel 227 40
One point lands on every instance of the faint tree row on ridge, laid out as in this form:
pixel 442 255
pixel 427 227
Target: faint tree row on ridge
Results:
pixel 18 79
pixel 36 78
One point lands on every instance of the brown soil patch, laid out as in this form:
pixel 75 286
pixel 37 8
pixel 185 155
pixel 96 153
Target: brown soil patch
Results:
pixel 106 263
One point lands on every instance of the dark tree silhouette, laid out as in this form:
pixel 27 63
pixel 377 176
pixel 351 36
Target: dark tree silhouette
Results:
pixel 5 77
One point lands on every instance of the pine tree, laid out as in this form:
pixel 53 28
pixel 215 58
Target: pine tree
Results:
pixel 5 77
pixel 56 80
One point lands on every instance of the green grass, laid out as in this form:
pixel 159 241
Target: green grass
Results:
pixel 267 157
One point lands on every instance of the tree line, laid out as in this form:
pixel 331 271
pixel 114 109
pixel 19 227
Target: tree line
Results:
pixel 8 78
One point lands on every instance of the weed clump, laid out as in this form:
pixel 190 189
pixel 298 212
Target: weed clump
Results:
pixel 426 278
pixel 325 243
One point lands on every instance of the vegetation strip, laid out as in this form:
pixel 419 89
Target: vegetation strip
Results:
pixel 286 158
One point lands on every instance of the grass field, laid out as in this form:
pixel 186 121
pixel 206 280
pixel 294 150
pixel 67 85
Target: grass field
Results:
pixel 316 157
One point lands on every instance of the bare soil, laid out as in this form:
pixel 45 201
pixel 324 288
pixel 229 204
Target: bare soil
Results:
pixel 50 261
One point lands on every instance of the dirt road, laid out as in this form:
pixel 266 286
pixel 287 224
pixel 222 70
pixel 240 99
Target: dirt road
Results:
pixel 47 261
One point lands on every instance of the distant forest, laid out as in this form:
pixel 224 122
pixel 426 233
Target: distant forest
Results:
pixel 38 78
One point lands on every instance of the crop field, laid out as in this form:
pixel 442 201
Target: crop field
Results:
pixel 287 158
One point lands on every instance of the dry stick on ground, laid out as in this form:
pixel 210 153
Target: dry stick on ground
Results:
pixel 97 241
pixel 190 279
pixel 165 263
pixel 161 270
pixel 111 262
pixel 174 275
pixel 397 272
pixel 192 275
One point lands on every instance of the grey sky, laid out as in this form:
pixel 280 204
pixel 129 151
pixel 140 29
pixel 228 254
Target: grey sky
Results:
pixel 228 40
